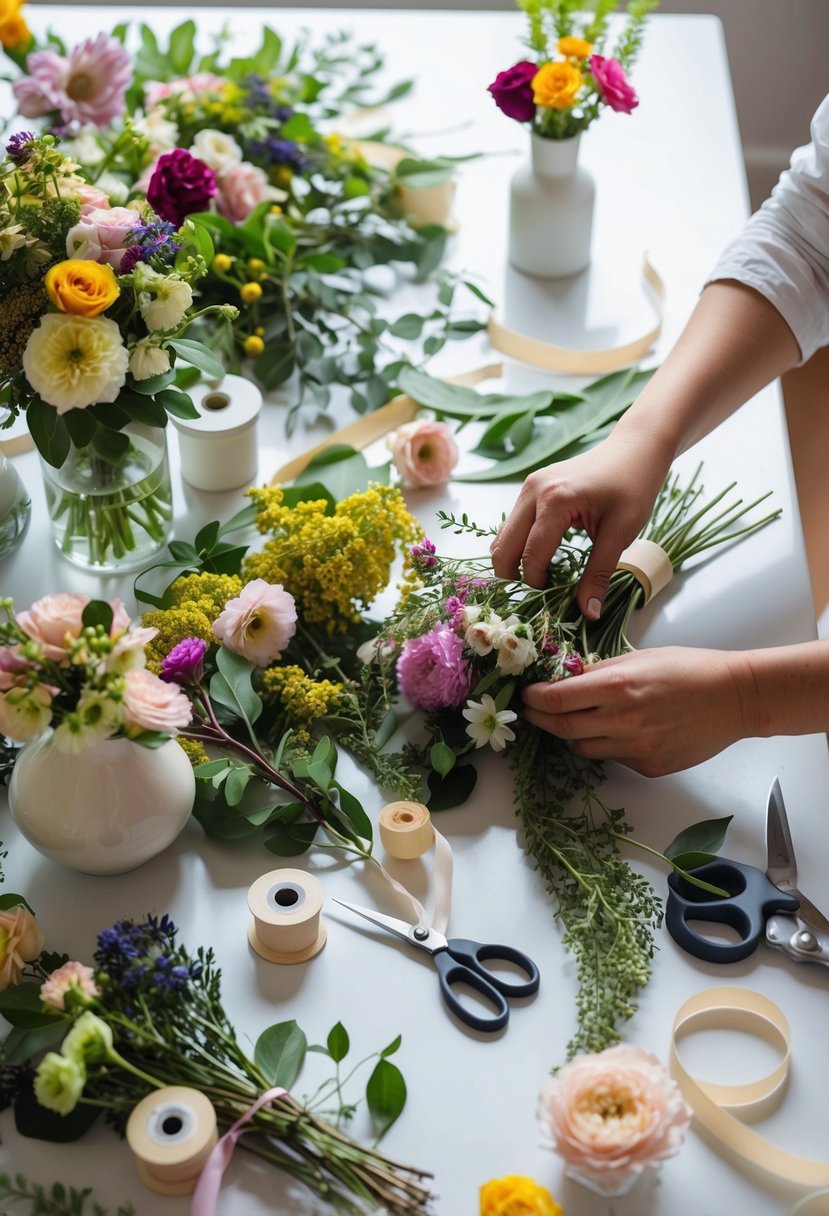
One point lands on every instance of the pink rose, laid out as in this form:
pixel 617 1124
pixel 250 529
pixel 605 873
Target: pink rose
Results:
pixel 56 618
pixel 259 623
pixel 20 942
pixel 71 977
pixel 12 668
pixel 92 198
pixel 241 189
pixel 613 84
pixel 614 1113
pixel 424 453
pixel 102 235
pixel 150 704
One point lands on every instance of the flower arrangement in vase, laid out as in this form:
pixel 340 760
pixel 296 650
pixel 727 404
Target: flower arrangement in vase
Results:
pixel 558 93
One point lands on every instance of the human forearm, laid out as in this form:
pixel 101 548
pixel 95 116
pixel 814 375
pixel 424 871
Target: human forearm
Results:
pixel 785 690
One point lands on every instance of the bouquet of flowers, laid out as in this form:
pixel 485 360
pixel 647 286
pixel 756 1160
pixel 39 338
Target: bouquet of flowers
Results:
pixel 570 78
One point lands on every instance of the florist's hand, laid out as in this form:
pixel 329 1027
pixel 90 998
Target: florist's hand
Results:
pixel 656 711
pixel 609 492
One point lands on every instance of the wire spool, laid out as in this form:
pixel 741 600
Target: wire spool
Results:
pixel 406 830
pixel 286 926
pixel 171 1133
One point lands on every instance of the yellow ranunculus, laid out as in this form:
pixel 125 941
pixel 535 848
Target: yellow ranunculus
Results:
pixel 82 287
pixel 555 85
pixel 72 362
pixel 574 48
pixel 517 1196
pixel 14 31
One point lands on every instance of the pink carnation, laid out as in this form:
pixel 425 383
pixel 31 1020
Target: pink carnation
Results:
pixel 70 977
pixel 432 671
pixel 56 619
pixel 424 453
pixel 613 84
pixel 259 623
pixel 150 704
pixel 241 189
pixel 85 86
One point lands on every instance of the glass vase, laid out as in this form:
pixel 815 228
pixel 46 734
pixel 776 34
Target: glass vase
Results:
pixel 612 1184
pixel 551 210
pixel 15 508
pixel 112 513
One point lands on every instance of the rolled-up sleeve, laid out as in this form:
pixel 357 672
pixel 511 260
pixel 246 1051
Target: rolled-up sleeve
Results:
pixel 784 251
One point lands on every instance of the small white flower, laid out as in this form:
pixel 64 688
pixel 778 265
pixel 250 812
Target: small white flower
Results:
pixel 158 130
pixel 165 301
pixel 148 359
pixel 115 189
pixel 515 653
pixel 481 636
pixel 12 238
pixel 487 724
pixel 84 147
pixel 469 616
pixel 220 152
pixel 368 651
pixel 82 242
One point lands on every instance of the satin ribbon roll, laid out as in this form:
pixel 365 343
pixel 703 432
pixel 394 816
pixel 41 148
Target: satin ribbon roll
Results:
pixel 816 1204
pixel 171 1133
pixel 285 925
pixel 649 564
pixel 406 830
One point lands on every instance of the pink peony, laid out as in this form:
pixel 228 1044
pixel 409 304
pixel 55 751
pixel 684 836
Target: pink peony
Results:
pixel 20 942
pixel 614 1113
pixel 150 704
pixel 187 87
pixel 424 453
pixel 241 189
pixel 102 235
pixel 71 977
pixel 259 623
pixel 432 671
pixel 180 184
pixel 85 86
pixel 613 84
pixel 56 618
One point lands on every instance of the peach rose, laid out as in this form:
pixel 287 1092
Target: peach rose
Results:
pixel 71 977
pixel 92 198
pixel 150 704
pixel 56 618
pixel 241 189
pixel 424 453
pixel 20 942
pixel 614 1113
pixel 259 623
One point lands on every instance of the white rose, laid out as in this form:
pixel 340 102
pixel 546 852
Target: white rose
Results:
pixel 147 359
pixel 481 636
pixel 220 152
pixel 515 653
pixel 469 616
pixel 164 307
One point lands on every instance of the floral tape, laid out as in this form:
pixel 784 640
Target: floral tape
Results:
pixel 206 1194
pixel 407 832
pixel 171 1133
pixel 581 362
pixel 285 925
pixel 753 1013
pixel 649 564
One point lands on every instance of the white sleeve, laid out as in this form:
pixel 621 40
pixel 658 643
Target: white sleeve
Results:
pixel 784 251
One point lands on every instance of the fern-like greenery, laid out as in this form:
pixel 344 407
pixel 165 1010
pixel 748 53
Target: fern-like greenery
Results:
pixel 550 20
pixel 18 1195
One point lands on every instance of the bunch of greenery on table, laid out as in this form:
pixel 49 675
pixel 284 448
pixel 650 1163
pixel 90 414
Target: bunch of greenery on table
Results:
pixel 56 1200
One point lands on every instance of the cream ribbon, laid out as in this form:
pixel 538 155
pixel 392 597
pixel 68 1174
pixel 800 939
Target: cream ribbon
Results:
pixel 712 1103
pixel 649 564
pixel 442 874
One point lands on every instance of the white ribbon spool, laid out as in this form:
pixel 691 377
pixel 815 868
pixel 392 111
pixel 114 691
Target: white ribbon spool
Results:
pixel 285 907
pixel 406 830
pixel 171 1133
pixel 218 449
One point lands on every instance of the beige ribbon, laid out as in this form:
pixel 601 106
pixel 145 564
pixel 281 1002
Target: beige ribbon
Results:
pixel 582 362
pixel 420 204
pixel 394 835
pixel 711 1103
pixel 649 564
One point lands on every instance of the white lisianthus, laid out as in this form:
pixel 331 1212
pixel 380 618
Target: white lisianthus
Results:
pixel 158 130
pixel 96 717
pixel 72 362
pixel 82 242
pixel 488 724
pixel 220 152
pixel 481 636
pixel 148 359
pixel 516 651
pixel 163 299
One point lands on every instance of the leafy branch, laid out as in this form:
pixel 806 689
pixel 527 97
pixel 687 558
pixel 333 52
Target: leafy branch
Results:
pixel 58 1200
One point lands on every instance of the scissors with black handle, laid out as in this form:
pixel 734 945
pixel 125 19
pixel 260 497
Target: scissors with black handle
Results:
pixel 761 907
pixel 459 961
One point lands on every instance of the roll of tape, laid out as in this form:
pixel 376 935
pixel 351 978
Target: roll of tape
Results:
pixel 286 926
pixel 406 830
pixel 171 1133
pixel 816 1204
pixel 649 564
pixel 218 449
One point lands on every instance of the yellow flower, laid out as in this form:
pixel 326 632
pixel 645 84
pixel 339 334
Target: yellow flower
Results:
pixel 256 265
pixel 302 698
pixel 221 263
pixel 254 346
pixel 275 209
pixel 250 293
pixel 260 331
pixel 517 1196
pixel 197 600
pixel 14 31
pixel 574 48
pixel 72 362
pixel 556 84
pixel 283 176
pixel 194 751
pixel 82 287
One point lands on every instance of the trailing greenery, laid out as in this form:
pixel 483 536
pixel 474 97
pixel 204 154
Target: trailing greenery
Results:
pixel 17 1193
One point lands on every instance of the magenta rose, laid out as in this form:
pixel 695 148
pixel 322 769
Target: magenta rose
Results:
pixel 180 185
pixel 512 91
pixel 613 84
pixel 432 671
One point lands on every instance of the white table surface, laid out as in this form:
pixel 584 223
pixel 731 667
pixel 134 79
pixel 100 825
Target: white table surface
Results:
pixel 670 178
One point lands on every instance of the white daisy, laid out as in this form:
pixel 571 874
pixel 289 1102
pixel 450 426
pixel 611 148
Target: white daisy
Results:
pixel 488 724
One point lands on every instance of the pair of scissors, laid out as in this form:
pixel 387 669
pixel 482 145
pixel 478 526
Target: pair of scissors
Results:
pixel 760 906
pixel 459 961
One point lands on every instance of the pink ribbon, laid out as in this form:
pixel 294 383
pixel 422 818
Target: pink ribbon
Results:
pixel 206 1194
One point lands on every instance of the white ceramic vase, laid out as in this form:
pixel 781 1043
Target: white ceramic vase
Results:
pixel 106 809
pixel 551 210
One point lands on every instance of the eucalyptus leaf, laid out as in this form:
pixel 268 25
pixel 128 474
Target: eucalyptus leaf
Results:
pixel 457 402
pixel 385 1095
pixel 279 1053
pixel 706 836
pixel 197 354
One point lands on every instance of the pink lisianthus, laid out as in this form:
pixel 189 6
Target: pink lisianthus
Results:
pixel 613 85
pixel 424 453
pixel 241 189
pixel 85 86
pixel 74 978
pixel 614 1113
pixel 432 671
pixel 20 942
pixel 57 619
pixel 150 704
pixel 259 623
pixel 187 87
pixel 102 235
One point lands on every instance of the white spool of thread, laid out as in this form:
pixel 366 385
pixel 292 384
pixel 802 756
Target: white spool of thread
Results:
pixel 285 907
pixel 218 449
pixel 171 1133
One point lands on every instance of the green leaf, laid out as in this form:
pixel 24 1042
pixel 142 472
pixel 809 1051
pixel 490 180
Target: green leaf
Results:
pixel 453 789
pixel 199 237
pixel 442 758
pixel 180 405
pixel 112 445
pixel 148 387
pixel 422 174
pixel 408 326
pixel 22 1006
pixel 97 612
pixel 12 900
pixel 692 861
pixel 35 1121
pixel 279 1053
pixel 385 1095
pixel 236 784
pixel 242 519
pixel 323 263
pixel 338 1043
pixel 393 1046
pixel 353 810
pixel 81 426
pixel 49 431
pixel 346 471
pixel 265 60
pixel 298 127
pixel 276 364
pixel 238 673
pixel 386 729
pixel 704 837
pixel 20 1044
pixel 505 695
pixel 457 402
pixel 211 768
pixel 289 840
pixel 280 235
pixel 207 536
pixel 197 354
pixel 146 411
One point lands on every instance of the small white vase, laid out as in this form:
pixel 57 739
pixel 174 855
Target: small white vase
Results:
pixel 551 210
pixel 105 810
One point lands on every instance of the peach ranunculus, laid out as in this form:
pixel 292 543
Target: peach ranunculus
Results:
pixel 424 453
pixel 187 88
pixel 151 704
pixel 612 1114
pixel 259 623
pixel 241 189
pixel 92 198
pixel 57 619
pixel 20 942
pixel 515 1195
pixel 75 978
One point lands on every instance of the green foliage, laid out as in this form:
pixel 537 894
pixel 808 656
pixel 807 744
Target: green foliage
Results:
pixel 57 1200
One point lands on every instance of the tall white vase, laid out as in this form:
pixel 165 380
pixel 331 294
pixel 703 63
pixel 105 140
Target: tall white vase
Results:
pixel 106 809
pixel 551 210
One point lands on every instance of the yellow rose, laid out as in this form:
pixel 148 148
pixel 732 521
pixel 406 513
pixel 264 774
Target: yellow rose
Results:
pixel 14 31
pixel 574 48
pixel 517 1196
pixel 81 287
pixel 556 85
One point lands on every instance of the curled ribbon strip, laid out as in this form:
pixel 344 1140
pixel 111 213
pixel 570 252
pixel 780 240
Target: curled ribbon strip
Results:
pixel 649 564
pixel 711 1103
pixel 206 1194
pixel 443 868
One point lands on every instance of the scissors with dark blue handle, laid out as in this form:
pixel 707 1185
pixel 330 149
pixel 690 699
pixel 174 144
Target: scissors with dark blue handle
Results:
pixel 760 907
pixel 460 961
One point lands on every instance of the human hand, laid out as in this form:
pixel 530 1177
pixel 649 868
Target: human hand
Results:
pixel 656 711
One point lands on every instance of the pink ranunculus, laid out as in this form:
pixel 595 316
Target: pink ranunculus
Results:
pixel 58 617
pixel 92 199
pixel 70 977
pixel 512 91
pixel 259 623
pixel 12 668
pixel 150 704
pixel 612 1114
pixel 180 184
pixel 188 87
pixel 20 942
pixel 102 235
pixel 424 453
pixel 241 189
pixel 432 671
pixel 613 85
pixel 86 86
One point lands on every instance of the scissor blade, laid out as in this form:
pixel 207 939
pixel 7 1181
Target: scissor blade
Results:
pixel 782 865
pixel 399 927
